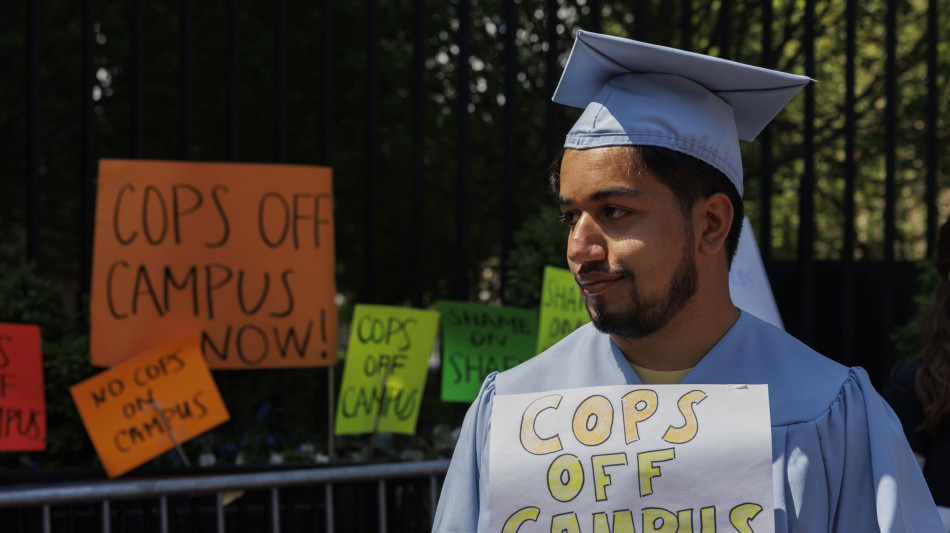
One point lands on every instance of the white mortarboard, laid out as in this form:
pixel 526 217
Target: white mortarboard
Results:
pixel 635 93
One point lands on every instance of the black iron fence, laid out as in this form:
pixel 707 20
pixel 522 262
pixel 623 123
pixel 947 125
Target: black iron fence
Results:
pixel 437 120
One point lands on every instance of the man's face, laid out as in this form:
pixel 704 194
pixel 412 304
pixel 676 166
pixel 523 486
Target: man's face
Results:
pixel 630 248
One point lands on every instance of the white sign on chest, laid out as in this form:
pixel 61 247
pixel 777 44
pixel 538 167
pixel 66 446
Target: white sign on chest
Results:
pixel 632 459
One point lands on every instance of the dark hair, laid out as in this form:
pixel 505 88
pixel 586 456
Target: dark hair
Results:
pixel 689 178
pixel 932 381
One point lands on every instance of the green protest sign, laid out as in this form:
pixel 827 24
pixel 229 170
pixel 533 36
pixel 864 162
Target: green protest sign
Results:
pixel 479 339
pixel 562 307
pixel 385 369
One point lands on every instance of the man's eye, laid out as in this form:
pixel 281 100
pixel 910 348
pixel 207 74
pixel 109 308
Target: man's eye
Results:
pixel 568 219
pixel 614 212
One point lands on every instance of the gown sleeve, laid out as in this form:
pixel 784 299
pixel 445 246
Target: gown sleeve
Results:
pixel 463 505
pixel 871 479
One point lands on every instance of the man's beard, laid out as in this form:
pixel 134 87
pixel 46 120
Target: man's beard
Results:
pixel 641 318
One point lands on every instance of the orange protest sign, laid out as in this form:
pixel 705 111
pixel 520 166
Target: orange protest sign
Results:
pixel 144 406
pixel 22 397
pixel 241 255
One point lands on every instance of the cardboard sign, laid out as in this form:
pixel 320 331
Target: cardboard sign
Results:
pixel 385 371
pixel 562 307
pixel 480 339
pixel 241 255
pixel 22 396
pixel 748 283
pixel 142 407
pixel 668 458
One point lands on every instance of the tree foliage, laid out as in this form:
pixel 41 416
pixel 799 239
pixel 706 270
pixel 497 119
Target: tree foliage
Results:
pixel 354 149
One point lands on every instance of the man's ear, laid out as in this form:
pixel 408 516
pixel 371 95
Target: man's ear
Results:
pixel 715 216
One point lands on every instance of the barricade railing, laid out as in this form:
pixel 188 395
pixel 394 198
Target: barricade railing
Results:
pixel 47 496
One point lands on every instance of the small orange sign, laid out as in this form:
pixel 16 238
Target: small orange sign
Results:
pixel 241 255
pixel 144 406
pixel 22 397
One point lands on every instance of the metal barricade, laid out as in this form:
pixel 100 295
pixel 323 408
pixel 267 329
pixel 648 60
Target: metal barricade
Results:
pixel 48 496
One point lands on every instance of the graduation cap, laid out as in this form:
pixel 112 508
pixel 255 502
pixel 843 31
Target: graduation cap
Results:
pixel 634 93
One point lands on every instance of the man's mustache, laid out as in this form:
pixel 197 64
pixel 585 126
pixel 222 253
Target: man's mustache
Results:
pixel 595 269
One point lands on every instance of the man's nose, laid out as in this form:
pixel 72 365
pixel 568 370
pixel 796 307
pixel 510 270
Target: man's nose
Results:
pixel 586 242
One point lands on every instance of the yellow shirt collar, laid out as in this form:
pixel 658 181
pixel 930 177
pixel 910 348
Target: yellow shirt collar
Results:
pixel 660 377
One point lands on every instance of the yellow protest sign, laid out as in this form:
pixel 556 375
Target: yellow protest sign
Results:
pixel 22 396
pixel 385 371
pixel 241 255
pixel 143 407
pixel 562 307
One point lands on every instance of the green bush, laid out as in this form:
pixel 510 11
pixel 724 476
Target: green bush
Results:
pixel 907 337
pixel 540 242
pixel 26 298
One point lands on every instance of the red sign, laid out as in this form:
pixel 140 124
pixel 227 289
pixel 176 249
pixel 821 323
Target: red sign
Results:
pixel 22 398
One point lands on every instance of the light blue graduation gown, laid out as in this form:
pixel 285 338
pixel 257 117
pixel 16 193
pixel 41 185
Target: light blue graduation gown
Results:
pixel 840 461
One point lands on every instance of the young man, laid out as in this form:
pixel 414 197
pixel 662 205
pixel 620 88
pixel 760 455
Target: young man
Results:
pixel 650 188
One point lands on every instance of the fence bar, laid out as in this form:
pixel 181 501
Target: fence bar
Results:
pixel 323 150
pixel 596 23
pixel 381 494
pixel 765 148
pixel 328 497
pixel 138 78
pixel 87 170
pixel 639 16
pixel 462 173
pixel 106 517
pixel 433 498
pixel 280 83
pixel 418 150
pixel 686 24
pixel 163 514
pixel 371 151
pixel 186 87
pixel 33 133
pixel 219 511
pixel 234 79
pixel 275 510
pixel 890 129
pixel 850 175
pixel 725 7
pixel 892 98
pixel 47 519
pixel 326 80
pixel 508 125
pixel 550 82
pixel 806 227
pixel 933 39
